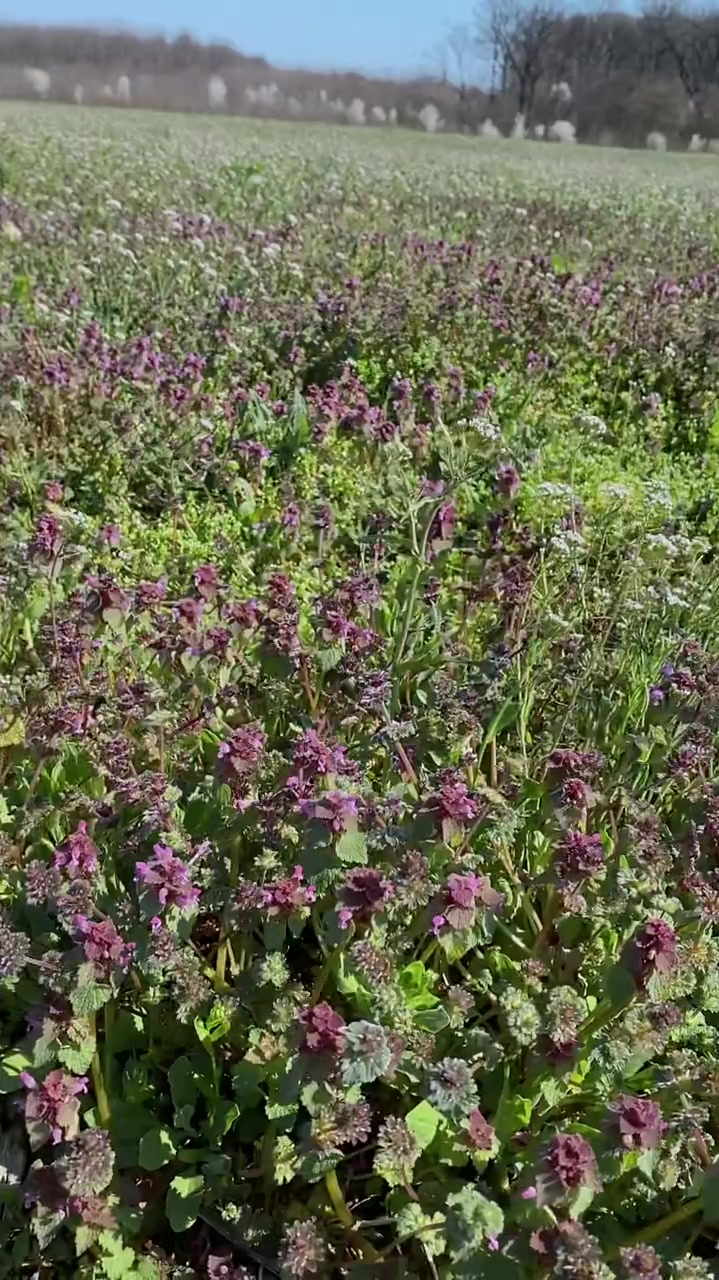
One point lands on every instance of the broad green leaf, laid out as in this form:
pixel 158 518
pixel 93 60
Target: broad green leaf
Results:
pixel 184 1198
pixel 423 1121
pixel 183 1083
pixel 352 847
pixel 156 1148
pixel 11 1065
pixel 513 1113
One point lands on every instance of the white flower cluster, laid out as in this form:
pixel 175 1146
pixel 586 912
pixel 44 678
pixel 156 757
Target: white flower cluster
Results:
pixel 555 489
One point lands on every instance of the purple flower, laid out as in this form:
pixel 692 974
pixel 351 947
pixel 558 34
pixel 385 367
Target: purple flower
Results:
pixel 653 949
pixel 638 1122
pixel 443 524
pixel 149 593
pixel 363 893
pixel 336 809
pixel 324 1030
pixel 454 804
pixel 304 1252
pixel 244 613
pixel 569 763
pixel 507 480
pixel 580 857
pixel 104 947
pixel 431 488
pixel 571 1161
pixel 464 894
pixel 291 517
pixel 239 756
pixel 52 1108
pixel 220 1266
pixel 314 758
pixel 206 581
pixel 284 897
pixel 480 1133
pixel 110 535
pixel 169 878
pixel 47 539
pixel 641 1262
pixel 54 491
pixel 576 794
pixel 77 855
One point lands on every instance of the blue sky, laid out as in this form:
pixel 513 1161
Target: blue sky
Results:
pixel 371 35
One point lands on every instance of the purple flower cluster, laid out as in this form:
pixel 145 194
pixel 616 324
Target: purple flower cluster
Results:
pixel 168 878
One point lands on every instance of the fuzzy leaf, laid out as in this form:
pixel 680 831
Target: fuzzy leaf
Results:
pixel 76 1058
pixel 352 847
pixel 85 1238
pixel 88 995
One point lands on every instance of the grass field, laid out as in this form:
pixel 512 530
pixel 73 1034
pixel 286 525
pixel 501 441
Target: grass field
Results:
pixel 359 691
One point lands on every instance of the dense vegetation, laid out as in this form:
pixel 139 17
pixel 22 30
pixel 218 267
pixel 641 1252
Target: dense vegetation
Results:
pixel 359 691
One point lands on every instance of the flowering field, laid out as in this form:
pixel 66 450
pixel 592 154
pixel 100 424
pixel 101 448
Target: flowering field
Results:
pixel 359 691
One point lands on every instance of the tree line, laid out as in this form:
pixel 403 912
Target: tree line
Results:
pixel 515 67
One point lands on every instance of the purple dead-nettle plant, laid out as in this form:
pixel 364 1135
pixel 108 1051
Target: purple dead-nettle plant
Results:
pixel 362 895
pixel 568 1164
pixel 167 879
pixel 338 810
pixel 77 857
pixel 103 946
pixel 452 1087
pixel 283 898
pixel 52 1106
pixel 636 1123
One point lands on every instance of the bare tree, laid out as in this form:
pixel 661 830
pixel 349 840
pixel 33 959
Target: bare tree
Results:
pixel 690 40
pixel 520 37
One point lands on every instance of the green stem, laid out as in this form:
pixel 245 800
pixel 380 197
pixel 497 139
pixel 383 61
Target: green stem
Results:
pixel 656 1230
pixel 501 927
pixel 345 1216
pixel 222 950
pixel 104 1112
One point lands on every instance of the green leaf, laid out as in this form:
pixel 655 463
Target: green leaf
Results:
pixel 581 1202
pixel 184 1198
pixel 423 1121
pixel 119 1265
pixel 183 1083
pixel 11 1064
pixel 433 1020
pixel 352 847
pixel 415 983
pixel 156 1148
pixel 88 995
pixel 222 1120
pixel 513 1113
pixel 246 1080
pixel 85 1238
pixel 328 659
pixel 710 1196
pixel 77 1058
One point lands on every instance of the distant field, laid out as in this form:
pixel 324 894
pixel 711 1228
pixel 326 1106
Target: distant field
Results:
pixel 359 698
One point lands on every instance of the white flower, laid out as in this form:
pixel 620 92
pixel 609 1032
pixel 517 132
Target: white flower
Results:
pixel 554 489
pixel 613 490
pixel 590 422
pixel 567 542
pixel 660 542
pixel 658 495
